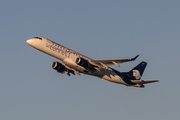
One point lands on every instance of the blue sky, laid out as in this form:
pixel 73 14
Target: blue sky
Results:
pixel 100 29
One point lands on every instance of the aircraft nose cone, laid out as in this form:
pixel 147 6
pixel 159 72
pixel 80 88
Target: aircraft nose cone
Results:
pixel 29 42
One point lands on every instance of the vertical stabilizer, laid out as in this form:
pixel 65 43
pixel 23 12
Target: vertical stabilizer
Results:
pixel 137 72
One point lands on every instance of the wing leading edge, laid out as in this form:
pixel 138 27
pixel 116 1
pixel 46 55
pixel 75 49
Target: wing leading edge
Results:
pixel 105 63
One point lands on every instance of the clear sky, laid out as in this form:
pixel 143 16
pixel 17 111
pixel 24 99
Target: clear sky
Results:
pixel 100 29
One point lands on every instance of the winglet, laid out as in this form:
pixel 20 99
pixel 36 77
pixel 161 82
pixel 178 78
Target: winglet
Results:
pixel 135 57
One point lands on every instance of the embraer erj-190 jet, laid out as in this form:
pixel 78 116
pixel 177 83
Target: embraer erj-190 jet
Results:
pixel 74 62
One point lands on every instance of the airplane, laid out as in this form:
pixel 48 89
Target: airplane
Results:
pixel 74 62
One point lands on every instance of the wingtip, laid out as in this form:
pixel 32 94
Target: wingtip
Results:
pixel 135 57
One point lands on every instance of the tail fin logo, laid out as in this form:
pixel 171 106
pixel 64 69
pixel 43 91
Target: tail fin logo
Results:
pixel 136 74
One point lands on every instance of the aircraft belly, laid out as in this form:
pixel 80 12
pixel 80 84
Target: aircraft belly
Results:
pixel 109 75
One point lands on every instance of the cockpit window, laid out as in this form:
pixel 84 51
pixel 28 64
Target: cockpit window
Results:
pixel 38 38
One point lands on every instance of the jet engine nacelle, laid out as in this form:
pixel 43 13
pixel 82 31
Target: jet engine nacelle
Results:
pixel 82 62
pixel 58 66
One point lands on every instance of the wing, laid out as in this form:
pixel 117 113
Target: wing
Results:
pixel 105 63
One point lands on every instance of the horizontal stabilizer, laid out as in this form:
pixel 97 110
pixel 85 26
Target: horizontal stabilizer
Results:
pixel 144 81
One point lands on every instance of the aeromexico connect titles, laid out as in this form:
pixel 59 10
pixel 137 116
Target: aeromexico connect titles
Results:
pixel 74 62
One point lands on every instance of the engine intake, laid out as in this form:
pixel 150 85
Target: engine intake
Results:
pixel 82 62
pixel 58 66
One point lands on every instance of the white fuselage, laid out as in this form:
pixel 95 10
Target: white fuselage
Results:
pixel 68 57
